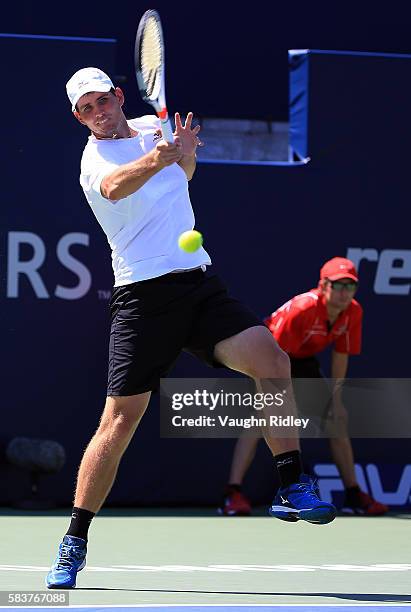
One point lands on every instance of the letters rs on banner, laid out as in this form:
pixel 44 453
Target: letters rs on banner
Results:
pixel 31 268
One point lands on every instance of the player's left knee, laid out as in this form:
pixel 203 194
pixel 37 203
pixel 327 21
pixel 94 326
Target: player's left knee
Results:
pixel 274 364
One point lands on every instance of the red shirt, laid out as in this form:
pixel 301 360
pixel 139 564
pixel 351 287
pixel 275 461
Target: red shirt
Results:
pixel 301 326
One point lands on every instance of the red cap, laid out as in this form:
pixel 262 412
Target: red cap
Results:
pixel 338 267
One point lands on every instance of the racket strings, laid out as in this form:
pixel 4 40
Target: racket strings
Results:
pixel 151 57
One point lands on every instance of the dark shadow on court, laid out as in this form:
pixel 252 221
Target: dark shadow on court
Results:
pixel 383 597
pixel 180 511
pixel 151 512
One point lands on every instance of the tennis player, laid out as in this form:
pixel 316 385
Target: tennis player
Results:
pixel 303 327
pixel 164 301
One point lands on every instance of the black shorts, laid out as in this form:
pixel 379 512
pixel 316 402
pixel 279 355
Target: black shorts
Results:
pixel 313 400
pixel 152 321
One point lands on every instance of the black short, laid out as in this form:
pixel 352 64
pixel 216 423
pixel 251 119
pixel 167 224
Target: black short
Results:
pixel 307 367
pixel 152 321
pixel 313 400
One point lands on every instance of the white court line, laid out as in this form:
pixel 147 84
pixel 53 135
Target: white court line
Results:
pixel 227 568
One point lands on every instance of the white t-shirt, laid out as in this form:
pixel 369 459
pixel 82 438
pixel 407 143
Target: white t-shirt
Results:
pixel 143 228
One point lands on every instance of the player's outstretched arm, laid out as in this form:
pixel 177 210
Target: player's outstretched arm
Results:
pixel 128 178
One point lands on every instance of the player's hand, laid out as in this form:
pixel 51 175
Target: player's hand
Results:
pixel 186 136
pixel 167 153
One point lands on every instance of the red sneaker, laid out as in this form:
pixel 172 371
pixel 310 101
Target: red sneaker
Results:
pixel 366 506
pixel 235 504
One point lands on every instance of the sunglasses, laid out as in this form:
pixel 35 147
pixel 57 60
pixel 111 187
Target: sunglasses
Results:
pixel 340 285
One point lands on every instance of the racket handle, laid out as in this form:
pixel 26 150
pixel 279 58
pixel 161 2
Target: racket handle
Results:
pixel 167 130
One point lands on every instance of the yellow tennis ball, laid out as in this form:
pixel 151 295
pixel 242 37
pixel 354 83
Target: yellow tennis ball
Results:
pixel 190 241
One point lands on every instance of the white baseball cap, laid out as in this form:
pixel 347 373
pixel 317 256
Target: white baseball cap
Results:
pixel 84 81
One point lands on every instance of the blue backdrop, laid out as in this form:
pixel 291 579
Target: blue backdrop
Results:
pixel 223 59
pixel 268 228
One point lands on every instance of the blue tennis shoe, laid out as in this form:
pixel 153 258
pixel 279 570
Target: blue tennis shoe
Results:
pixel 300 501
pixel 71 559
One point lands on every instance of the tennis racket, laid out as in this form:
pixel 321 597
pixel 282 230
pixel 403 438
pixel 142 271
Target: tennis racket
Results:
pixel 149 65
